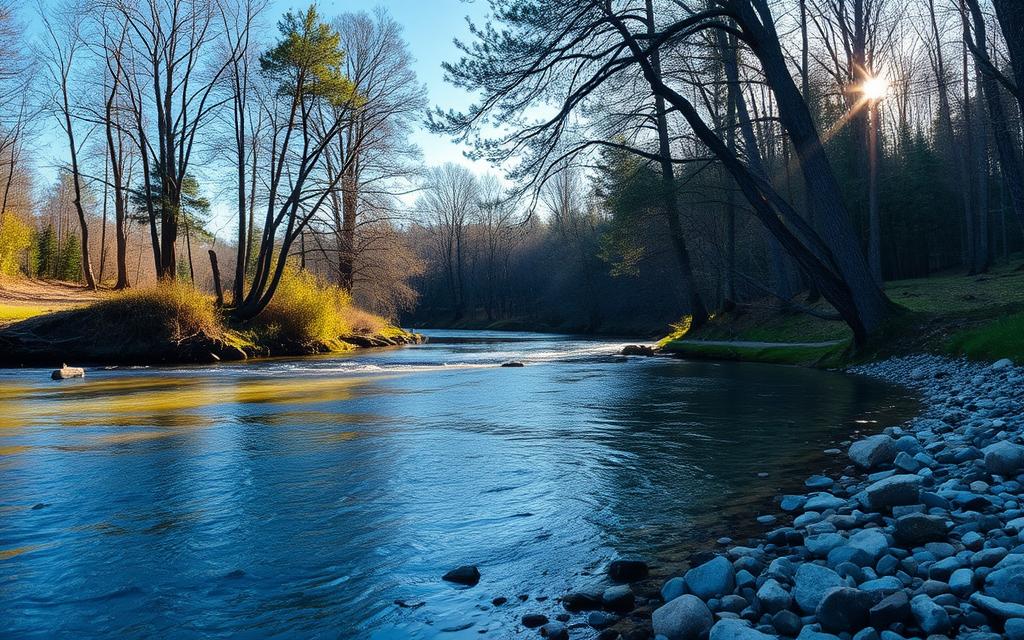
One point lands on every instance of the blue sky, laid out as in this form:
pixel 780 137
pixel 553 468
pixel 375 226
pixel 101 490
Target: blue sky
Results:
pixel 430 28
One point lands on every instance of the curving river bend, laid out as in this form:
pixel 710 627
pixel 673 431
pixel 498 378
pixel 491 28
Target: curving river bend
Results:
pixel 302 498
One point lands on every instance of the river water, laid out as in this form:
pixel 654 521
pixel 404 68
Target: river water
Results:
pixel 303 498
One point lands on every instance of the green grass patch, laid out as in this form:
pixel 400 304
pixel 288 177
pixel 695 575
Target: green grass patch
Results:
pixel 819 356
pixel 1001 338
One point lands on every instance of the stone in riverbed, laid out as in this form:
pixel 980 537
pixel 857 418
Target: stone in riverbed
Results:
pixel 715 577
pixel 931 617
pixel 684 618
pixel 673 588
pixel 1006 583
pixel 917 528
pixel 534 620
pixel 844 609
pixel 894 491
pixel 873 451
pixel 467 575
pixel 773 596
pixel 812 581
pixel 627 570
pixel 66 373
pixel 618 598
pixel 582 601
pixel 792 503
pixel 997 607
pixel 732 629
pixel 554 631
pixel 601 620
pixel 892 609
pixel 1003 458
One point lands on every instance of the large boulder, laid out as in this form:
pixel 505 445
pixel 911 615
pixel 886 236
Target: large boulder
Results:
pixel 894 491
pixel 1006 583
pixel 715 577
pixel 873 451
pixel 844 609
pixel 683 618
pixel 1003 458
pixel 732 629
pixel 812 582
pixel 618 598
pixel 917 528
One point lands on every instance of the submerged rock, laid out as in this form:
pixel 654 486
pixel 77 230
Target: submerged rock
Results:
pixel 513 364
pixel 637 350
pixel 627 570
pixel 467 575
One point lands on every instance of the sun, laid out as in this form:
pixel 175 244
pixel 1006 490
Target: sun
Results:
pixel 875 88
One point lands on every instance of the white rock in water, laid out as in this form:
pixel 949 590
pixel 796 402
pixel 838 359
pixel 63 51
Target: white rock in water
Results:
pixel 66 372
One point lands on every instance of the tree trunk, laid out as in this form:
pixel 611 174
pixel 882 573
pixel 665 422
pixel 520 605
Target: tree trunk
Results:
pixel 670 202
pixel 874 219
pixel 873 307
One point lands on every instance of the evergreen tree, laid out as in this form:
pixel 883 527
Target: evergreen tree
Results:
pixel 45 258
pixel 69 260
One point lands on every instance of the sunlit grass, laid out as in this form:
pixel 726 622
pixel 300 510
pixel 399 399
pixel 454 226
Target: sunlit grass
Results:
pixel 16 313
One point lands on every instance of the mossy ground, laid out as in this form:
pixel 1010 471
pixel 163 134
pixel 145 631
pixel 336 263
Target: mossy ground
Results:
pixel 979 317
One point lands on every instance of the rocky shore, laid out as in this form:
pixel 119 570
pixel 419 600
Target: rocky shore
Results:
pixel 920 536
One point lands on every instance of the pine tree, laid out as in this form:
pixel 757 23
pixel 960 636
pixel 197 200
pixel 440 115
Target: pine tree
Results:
pixel 44 264
pixel 69 262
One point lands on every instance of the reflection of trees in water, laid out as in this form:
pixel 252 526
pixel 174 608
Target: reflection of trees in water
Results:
pixel 701 432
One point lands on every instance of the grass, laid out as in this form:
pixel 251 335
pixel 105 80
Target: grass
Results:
pixel 980 317
pixel 171 311
pixel 15 313
pixel 1001 338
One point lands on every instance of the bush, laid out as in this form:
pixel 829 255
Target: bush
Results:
pixel 309 312
pixel 171 310
pixel 15 241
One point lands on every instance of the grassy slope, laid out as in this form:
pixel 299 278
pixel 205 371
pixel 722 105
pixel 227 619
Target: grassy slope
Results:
pixel 980 317
pixel 45 322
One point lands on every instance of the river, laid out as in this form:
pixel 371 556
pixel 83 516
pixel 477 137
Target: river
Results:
pixel 303 498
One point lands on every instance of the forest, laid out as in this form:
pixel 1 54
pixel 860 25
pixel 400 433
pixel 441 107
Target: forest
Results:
pixel 651 161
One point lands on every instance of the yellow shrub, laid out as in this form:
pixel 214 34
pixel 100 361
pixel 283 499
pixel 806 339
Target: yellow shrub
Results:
pixel 174 309
pixel 15 240
pixel 306 311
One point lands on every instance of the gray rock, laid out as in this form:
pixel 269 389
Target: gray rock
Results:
pixel 844 609
pixel 821 544
pixel 618 598
pixel 601 619
pixel 673 588
pixel 1006 583
pixel 773 596
pixel 1014 629
pixel 872 541
pixel 684 618
pixel 892 609
pixel 931 617
pixel 812 581
pixel 894 491
pixel 997 607
pixel 715 577
pixel 467 575
pixel 731 629
pixel 917 528
pixel 1003 458
pixel 823 501
pixel 554 631
pixel 873 451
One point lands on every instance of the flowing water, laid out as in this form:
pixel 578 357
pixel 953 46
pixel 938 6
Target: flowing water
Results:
pixel 303 498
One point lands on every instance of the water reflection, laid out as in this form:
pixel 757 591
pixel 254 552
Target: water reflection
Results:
pixel 299 498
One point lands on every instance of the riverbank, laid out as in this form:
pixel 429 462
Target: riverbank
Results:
pixel 979 317
pixel 920 534
pixel 175 324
